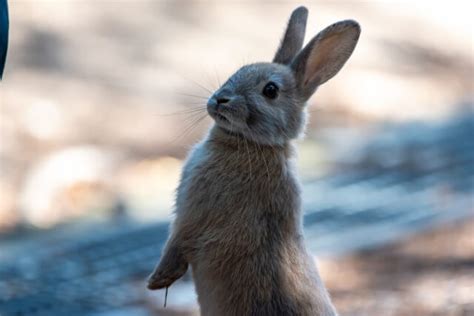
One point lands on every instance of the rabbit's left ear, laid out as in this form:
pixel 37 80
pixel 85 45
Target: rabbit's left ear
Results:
pixel 292 41
pixel 324 56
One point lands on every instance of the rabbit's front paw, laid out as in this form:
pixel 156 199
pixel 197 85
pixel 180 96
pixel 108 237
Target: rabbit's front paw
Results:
pixel 161 278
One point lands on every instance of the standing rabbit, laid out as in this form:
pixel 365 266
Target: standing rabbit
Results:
pixel 238 207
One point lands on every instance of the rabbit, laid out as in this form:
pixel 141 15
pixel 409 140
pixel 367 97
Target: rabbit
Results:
pixel 238 205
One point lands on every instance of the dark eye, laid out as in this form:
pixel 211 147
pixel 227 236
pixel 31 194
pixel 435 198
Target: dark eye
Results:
pixel 270 90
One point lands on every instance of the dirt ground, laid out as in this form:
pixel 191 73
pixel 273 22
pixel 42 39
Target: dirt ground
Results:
pixel 431 273
pixel 428 274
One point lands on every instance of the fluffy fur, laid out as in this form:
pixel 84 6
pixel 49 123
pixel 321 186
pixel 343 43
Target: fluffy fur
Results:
pixel 238 214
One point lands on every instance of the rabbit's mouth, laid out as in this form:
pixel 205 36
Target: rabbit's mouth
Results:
pixel 222 117
pixel 218 116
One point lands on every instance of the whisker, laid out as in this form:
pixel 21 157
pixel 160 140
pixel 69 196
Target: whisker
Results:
pixel 238 141
pixel 249 160
pixel 195 103
pixel 198 84
pixel 211 81
pixel 193 125
pixel 264 160
pixel 270 205
pixel 184 112
pixel 189 128
pixel 283 132
pixel 261 150
pixel 192 116
pixel 192 95
pixel 217 77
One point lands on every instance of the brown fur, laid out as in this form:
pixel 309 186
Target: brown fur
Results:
pixel 238 215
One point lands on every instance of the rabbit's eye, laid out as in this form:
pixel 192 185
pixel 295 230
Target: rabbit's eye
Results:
pixel 270 90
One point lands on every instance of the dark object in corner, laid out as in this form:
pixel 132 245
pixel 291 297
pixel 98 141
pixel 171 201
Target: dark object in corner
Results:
pixel 3 35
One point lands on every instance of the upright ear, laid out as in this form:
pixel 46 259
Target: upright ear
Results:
pixel 324 56
pixel 294 36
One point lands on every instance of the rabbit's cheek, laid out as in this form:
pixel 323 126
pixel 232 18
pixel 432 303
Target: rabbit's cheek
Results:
pixel 237 114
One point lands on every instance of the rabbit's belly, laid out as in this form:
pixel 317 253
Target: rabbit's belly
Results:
pixel 235 282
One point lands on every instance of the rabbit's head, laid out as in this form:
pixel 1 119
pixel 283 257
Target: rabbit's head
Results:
pixel 265 102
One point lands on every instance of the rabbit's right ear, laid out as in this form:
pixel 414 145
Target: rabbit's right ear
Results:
pixel 292 41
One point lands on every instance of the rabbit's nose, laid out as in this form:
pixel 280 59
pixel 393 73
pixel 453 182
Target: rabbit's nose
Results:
pixel 219 100
pixel 222 100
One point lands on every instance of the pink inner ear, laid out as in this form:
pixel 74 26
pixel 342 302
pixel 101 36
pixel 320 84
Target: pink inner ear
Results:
pixel 324 59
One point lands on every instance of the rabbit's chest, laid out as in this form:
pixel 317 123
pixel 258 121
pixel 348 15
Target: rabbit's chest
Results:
pixel 226 183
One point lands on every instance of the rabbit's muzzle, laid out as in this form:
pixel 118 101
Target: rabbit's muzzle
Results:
pixel 226 109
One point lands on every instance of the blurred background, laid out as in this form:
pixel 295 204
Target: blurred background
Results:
pixel 100 104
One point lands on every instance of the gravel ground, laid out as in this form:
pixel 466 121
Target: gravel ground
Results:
pixel 427 274
pixel 431 273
